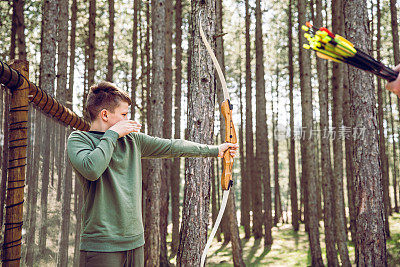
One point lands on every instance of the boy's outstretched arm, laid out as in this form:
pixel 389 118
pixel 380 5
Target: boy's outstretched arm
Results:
pixel 154 147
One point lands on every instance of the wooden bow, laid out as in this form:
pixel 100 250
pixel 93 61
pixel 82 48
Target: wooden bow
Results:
pixel 230 137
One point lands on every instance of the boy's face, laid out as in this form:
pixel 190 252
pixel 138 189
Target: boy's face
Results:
pixel 120 113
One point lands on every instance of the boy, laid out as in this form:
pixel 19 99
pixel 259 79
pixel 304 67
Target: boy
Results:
pixel 107 160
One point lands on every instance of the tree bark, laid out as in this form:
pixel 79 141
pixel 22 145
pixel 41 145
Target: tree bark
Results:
pixel 91 41
pixel 277 198
pixel 246 181
pixel 243 194
pixel 308 170
pixel 175 169
pixel 134 57
pixel 348 123
pixel 201 105
pixel 110 50
pixel 237 251
pixel 337 117
pixel 370 231
pixel 20 28
pixel 62 65
pixel 69 94
pixel 32 193
pixel 152 230
pixel 292 154
pixel 395 33
pixel 326 167
pixel 13 34
pixel 262 144
pixel 47 78
pixel 167 133
pixel 78 216
pixel 395 169
pixel 382 146
pixel 65 221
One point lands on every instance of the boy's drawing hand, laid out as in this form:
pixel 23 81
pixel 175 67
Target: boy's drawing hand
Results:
pixel 395 85
pixel 223 147
pixel 125 127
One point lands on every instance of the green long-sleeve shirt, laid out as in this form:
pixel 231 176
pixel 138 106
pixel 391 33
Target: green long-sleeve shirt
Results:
pixel 110 171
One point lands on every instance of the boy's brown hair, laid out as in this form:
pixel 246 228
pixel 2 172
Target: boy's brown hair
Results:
pixel 104 95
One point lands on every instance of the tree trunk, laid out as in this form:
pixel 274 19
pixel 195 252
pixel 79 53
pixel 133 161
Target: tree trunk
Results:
pixel 13 31
pixel 167 133
pixel 66 212
pixel 382 146
pixel 91 41
pixel 246 206
pixel 277 198
pixel 20 28
pixel 292 153
pixel 32 193
pixel 308 170
pixel 370 231
pixel 337 117
pixel 348 123
pixel 110 51
pixel 69 94
pixel 395 36
pixel 237 251
pixel 395 33
pixel 243 194
pixel 175 169
pixel 200 129
pixel 262 147
pixel 326 167
pixel 134 57
pixel 62 64
pixel 395 169
pixel 78 217
pixel 152 230
pixel 146 107
pixel 47 78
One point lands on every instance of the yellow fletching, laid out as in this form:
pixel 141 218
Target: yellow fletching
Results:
pixel 323 56
pixel 341 39
pixel 323 33
pixel 305 28
pixel 326 39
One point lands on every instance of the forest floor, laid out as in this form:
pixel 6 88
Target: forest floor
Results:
pixel 290 248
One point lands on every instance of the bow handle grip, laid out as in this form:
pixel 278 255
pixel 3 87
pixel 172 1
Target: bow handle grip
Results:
pixel 230 137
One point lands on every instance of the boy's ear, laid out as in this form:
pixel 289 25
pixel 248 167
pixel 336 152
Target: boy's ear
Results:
pixel 104 114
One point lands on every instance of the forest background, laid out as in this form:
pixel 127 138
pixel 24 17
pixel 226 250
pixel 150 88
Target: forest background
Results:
pixel 314 137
